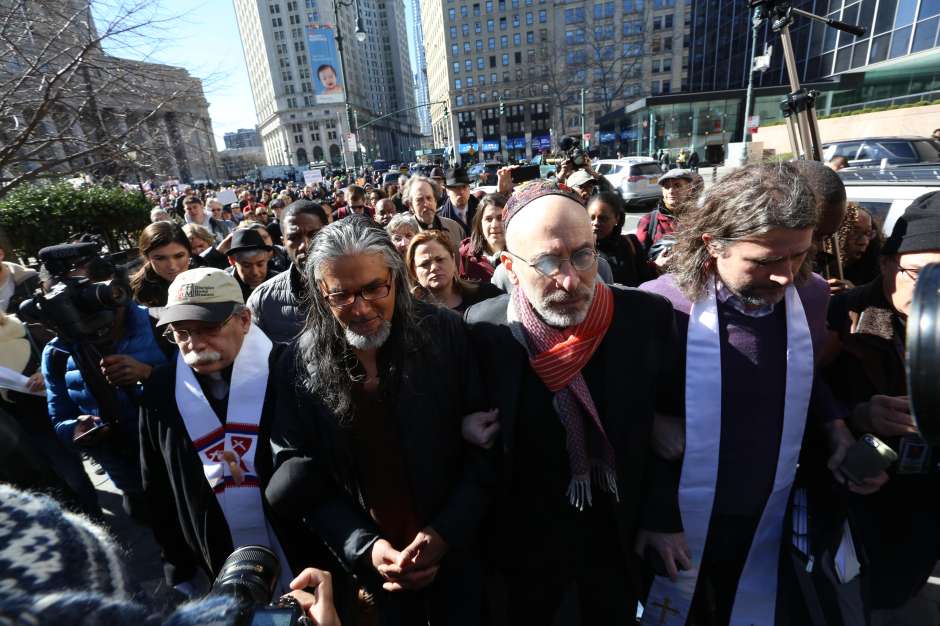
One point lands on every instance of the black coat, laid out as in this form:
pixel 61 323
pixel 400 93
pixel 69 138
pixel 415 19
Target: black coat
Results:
pixel 637 358
pixel 447 210
pixel 316 479
pixel 187 519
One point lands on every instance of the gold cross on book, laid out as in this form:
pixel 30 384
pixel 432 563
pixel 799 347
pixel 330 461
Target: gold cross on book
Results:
pixel 665 610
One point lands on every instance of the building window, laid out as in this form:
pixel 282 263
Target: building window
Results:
pixel 452 14
pixel 477 28
pixel 574 36
pixel 476 9
pixel 465 29
pixel 454 50
pixel 493 61
pixel 515 20
pixel 516 39
pixel 491 43
pixel 667 64
pixel 506 59
pixel 459 100
pixel 633 6
pixel 502 23
pixel 574 16
pixel 503 41
pixel 466 47
pixel 604 31
pixel 457 84
pixel 518 58
pixel 489 26
pixel 463 11
pixel 530 37
pixel 543 16
pixel 668 21
pixel 479 45
pixel 603 10
pixel 489 6
pixel 654 87
pixel 667 86
pixel 468 65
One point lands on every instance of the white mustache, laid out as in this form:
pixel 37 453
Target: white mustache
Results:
pixel 202 358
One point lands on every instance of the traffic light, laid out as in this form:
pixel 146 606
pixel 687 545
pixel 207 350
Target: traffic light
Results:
pixel 502 108
pixel 446 113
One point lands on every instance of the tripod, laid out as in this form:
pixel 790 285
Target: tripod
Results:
pixel 799 106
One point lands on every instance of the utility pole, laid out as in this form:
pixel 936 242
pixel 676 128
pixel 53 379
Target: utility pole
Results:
pixel 582 117
pixel 755 24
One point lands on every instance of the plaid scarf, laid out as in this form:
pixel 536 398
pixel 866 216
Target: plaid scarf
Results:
pixel 558 356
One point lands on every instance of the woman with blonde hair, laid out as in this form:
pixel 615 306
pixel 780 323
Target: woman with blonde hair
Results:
pixel 431 260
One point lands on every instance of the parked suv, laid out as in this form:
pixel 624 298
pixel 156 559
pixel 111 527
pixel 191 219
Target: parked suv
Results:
pixel 635 178
pixel 897 150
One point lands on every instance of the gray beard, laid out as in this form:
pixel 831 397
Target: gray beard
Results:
pixel 555 319
pixel 369 342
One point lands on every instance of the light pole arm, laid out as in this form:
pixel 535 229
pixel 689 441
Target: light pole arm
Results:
pixel 378 119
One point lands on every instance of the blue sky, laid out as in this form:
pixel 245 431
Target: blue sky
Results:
pixel 201 36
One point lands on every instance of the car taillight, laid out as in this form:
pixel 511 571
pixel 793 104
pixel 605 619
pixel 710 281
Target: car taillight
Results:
pixel 634 179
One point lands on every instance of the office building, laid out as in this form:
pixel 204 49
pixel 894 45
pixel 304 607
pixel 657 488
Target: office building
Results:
pixel 242 138
pixel 533 58
pixel 301 90
pixel 422 96
pixel 896 61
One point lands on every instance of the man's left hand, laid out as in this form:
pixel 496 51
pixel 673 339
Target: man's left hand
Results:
pixel 121 369
pixel 423 553
pixel 840 440
pixel 36 384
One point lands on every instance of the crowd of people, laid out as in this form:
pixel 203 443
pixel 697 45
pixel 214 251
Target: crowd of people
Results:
pixel 437 405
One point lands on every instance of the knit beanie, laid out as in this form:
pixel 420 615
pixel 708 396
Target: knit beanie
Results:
pixel 528 192
pixel 58 567
pixel 918 230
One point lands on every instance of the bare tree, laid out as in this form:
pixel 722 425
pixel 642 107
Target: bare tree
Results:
pixel 68 107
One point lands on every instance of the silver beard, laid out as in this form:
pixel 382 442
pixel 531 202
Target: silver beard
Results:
pixel 543 306
pixel 369 342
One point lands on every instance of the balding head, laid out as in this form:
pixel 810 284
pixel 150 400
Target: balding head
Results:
pixel 552 228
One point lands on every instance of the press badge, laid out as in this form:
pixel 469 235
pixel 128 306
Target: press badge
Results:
pixel 914 455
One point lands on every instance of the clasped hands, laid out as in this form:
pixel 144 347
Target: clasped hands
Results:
pixel 412 568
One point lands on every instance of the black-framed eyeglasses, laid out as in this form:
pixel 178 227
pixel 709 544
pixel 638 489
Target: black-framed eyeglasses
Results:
pixel 910 272
pixel 182 336
pixel 343 299
pixel 549 265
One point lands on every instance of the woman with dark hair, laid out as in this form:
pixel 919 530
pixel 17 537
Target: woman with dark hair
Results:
pixel 479 253
pixel 623 252
pixel 859 250
pixel 431 261
pixel 167 252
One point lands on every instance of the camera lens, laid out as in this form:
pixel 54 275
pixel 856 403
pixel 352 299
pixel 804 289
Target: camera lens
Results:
pixel 923 353
pixel 250 574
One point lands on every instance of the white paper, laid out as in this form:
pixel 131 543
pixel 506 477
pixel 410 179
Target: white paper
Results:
pixel 226 196
pixel 312 177
pixel 14 381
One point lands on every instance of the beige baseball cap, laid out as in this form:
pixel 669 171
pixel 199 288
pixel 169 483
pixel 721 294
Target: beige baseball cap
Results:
pixel 205 294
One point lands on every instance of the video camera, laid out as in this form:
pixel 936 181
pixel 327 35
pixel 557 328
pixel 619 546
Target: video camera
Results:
pixel 923 354
pixel 572 149
pixel 250 575
pixel 78 308
pixel 82 311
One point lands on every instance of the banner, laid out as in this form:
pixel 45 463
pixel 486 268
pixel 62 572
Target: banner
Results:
pixel 543 142
pixel 325 64
pixel 490 146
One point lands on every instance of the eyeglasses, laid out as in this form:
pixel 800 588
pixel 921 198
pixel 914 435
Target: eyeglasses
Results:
pixel 182 336
pixel 549 265
pixel 910 272
pixel 343 299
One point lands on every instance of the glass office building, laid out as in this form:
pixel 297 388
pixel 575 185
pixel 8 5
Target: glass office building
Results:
pixel 897 61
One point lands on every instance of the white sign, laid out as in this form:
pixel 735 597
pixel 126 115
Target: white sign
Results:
pixel 351 142
pixel 226 196
pixel 312 177
pixel 753 123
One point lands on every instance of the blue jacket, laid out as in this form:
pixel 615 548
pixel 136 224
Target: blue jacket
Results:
pixel 66 393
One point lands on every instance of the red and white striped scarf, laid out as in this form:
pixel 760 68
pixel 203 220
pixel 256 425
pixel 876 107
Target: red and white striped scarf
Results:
pixel 558 356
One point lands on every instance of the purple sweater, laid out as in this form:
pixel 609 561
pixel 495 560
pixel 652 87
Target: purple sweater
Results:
pixel 753 361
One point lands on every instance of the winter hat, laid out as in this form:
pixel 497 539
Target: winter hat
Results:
pixel 918 230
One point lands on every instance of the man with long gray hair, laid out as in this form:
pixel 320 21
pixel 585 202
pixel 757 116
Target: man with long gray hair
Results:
pixel 751 316
pixel 368 436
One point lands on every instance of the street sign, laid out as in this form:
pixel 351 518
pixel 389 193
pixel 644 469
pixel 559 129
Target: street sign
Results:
pixel 753 123
pixel 351 142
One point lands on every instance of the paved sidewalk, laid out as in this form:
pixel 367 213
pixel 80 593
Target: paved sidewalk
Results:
pixel 142 557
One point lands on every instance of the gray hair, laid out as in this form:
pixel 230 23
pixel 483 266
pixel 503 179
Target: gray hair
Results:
pixel 749 201
pixel 155 211
pixel 413 182
pixel 400 220
pixel 326 363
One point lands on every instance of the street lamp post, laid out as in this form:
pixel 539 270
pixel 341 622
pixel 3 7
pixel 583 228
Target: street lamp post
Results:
pixel 360 34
